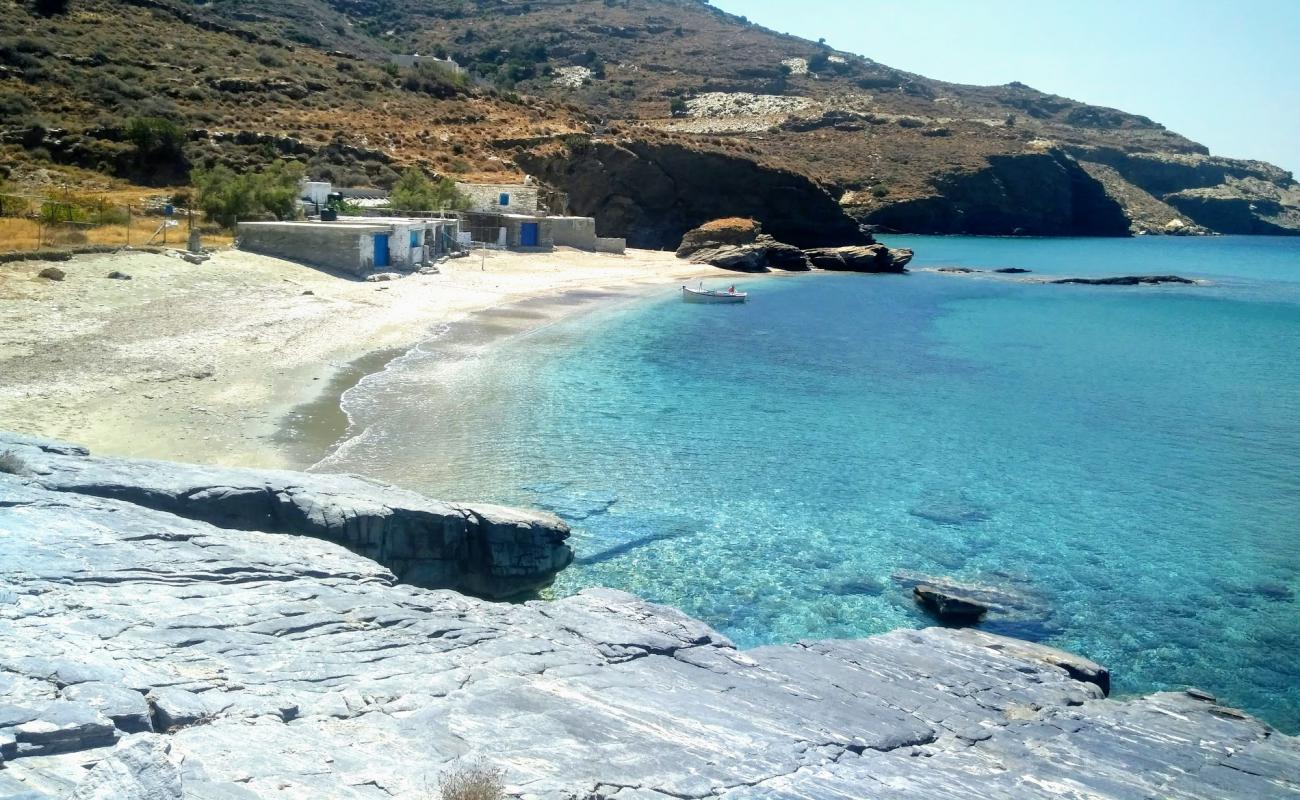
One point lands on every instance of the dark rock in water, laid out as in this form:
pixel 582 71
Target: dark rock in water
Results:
pixel 960 270
pixel 1012 271
pixel 1274 591
pixel 861 258
pixel 863 585
pixel 949 508
pixel 1127 280
pixel 1011 606
pixel 949 606
pixel 486 550
pixel 303 667
pixel 574 505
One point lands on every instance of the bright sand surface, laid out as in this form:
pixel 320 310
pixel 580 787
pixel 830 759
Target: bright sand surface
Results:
pixel 203 362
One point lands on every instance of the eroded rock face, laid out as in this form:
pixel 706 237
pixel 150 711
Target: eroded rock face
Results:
pixel 290 666
pixel 652 194
pixel 865 258
pixel 485 550
pixel 1033 194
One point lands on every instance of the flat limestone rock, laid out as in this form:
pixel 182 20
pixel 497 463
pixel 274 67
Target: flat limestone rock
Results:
pixel 485 550
pixel 320 676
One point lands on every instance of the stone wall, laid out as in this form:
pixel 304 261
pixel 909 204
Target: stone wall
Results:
pixel 579 232
pixel 609 244
pixel 487 197
pixel 347 248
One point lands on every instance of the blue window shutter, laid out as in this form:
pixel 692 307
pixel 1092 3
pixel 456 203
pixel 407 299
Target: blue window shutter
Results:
pixel 505 199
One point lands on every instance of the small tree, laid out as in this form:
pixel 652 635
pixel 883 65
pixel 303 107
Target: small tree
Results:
pixel 226 197
pixel 677 107
pixel 277 188
pixel 155 138
pixel 415 192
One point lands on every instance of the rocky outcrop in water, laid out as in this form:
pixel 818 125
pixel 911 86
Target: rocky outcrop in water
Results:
pixel 484 550
pixel 862 258
pixel 145 654
pixel 739 244
pixel 1127 280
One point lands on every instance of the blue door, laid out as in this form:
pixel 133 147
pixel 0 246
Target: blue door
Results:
pixel 528 235
pixel 381 249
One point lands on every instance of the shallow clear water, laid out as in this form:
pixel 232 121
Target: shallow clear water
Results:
pixel 1126 459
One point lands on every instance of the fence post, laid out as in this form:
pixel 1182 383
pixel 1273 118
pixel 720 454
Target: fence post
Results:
pixel 128 224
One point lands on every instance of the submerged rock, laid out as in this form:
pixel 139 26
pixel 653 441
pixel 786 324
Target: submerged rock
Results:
pixel 949 508
pixel 486 550
pixel 1012 270
pixel 949 606
pixel 1011 607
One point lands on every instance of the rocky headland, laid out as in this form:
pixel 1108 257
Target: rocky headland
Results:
pixel 153 643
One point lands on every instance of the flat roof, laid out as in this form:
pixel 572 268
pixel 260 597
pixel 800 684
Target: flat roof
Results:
pixel 305 224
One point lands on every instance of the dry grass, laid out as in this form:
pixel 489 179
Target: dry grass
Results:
pixel 729 224
pixel 473 781
pixel 20 234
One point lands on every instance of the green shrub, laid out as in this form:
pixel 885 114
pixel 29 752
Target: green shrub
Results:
pixel 226 197
pixel 415 192
pixel 435 81
pixel 155 139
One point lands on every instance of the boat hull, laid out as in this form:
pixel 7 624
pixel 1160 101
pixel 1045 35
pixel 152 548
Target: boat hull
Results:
pixel 696 296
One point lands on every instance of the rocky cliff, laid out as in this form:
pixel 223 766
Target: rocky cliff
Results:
pixel 148 654
pixel 653 193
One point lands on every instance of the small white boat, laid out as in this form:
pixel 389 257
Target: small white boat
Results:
pixel 702 295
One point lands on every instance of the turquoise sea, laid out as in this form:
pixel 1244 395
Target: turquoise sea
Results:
pixel 1124 460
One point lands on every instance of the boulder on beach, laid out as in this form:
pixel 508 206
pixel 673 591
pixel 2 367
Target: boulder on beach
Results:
pixel 52 273
pixel 734 231
pixel 739 244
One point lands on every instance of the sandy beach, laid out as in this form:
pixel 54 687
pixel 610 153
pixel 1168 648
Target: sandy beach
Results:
pixel 204 362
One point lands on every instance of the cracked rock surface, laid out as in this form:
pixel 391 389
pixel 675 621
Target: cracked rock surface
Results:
pixel 485 550
pixel 144 654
